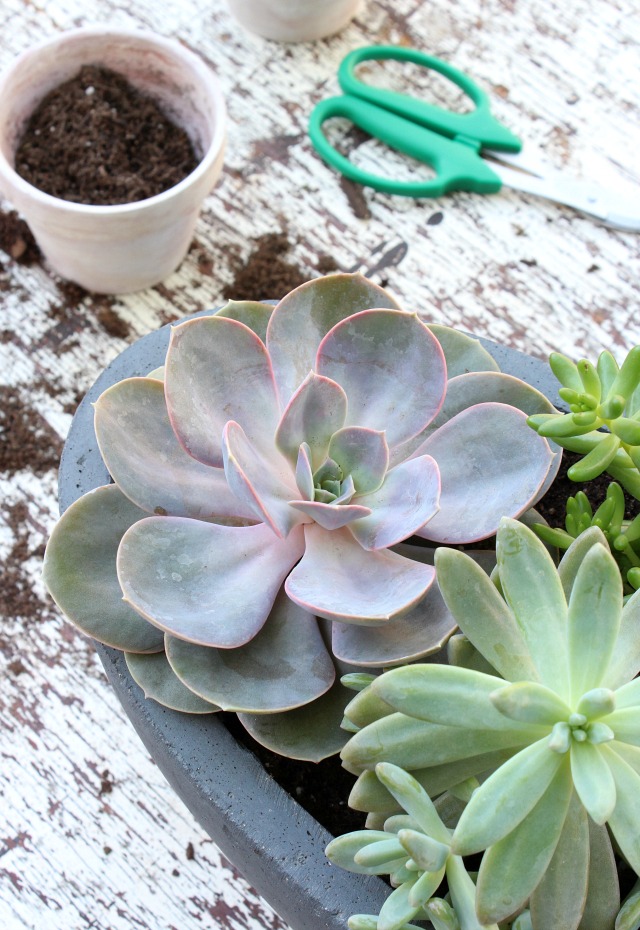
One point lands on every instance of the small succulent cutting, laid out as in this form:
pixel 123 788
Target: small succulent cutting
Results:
pixel 545 713
pixel 263 480
pixel 623 536
pixel 603 422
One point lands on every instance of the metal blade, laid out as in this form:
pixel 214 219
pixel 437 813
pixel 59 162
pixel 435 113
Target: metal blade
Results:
pixel 618 209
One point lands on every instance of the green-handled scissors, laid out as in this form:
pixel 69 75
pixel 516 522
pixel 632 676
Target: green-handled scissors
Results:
pixel 468 151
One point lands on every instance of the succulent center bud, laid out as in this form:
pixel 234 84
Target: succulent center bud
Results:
pixel 583 726
pixel 327 482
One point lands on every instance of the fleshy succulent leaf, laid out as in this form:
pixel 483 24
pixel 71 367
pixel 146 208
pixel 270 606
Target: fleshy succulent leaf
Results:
pixel 329 516
pixel 462 353
pixel 304 472
pixel 396 910
pixel 145 459
pixel 625 661
pixel 262 485
pixel 414 800
pixel 303 318
pixel 80 571
pixel 595 611
pixel 160 683
pixel 374 355
pixel 343 850
pixel 284 666
pixel 466 449
pixel 311 733
pixel 316 411
pixel 362 453
pixel 534 593
pixel 593 781
pixel 574 555
pixel 443 694
pixel 530 702
pixel 559 899
pixel 603 888
pixel 253 314
pixel 218 370
pixel 365 586
pixel 164 569
pixel 483 616
pixel 417 634
pixel 405 502
pixel 504 800
pixel 513 867
pixel 624 822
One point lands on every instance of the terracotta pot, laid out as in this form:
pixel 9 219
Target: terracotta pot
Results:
pixel 273 841
pixel 123 248
pixel 294 20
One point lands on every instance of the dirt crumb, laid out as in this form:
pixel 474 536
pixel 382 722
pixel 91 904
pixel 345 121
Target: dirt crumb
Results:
pixel 26 439
pixel 16 239
pixel 265 274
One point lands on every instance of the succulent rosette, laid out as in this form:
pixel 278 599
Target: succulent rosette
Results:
pixel 262 483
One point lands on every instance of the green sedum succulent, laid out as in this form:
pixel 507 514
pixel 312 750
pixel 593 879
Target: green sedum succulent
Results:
pixel 415 850
pixel 546 714
pixel 603 422
pixel 623 536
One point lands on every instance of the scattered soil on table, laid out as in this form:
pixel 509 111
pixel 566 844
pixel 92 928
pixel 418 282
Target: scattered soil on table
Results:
pixel 26 439
pixel 265 274
pixel 18 599
pixel 97 140
pixel 16 239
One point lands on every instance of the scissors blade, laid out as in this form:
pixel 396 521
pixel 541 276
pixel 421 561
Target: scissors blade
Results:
pixel 615 208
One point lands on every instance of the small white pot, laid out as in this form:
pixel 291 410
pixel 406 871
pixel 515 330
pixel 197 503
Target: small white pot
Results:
pixel 127 247
pixel 294 20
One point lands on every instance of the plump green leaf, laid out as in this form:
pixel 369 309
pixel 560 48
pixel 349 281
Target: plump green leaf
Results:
pixel 594 615
pixel 534 592
pixel 625 819
pixel 159 682
pixel 416 744
pixel 427 853
pixel 463 896
pixel 343 851
pixel 482 615
pixel 603 890
pixel 443 694
pixel 530 702
pixel 506 798
pixel 593 780
pixel 629 916
pixel 461 652
pixel 80 571
pixel 425 887
pixel 462 353
pixel 625 723
pixel 396 910
pixel 513 867
pixel 625 660
pixel 574 556
pixel 414 800
pixel 559 899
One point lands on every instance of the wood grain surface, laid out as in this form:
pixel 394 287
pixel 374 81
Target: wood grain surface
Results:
pixel 90 834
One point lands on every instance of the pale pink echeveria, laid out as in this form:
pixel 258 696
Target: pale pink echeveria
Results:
pixel 261 493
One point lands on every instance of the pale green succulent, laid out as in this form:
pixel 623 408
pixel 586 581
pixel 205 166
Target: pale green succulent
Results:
pixel 546 714
pixel 603 423
pixel 415 850
pixel 623 536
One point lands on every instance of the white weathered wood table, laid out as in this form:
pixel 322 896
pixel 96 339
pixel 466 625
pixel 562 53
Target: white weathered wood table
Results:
pixel 90 835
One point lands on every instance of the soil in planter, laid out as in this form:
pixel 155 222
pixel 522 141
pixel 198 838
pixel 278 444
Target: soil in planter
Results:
pixel 97 140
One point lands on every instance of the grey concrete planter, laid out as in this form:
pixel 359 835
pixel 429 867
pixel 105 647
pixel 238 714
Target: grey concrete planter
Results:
pixel 273 841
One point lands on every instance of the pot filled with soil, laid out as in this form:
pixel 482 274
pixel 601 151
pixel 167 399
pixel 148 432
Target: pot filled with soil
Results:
pixel 109 141
pixel 311 580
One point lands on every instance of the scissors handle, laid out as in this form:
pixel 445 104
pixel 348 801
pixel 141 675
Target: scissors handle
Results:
pixel 457 166
pixel 479 124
